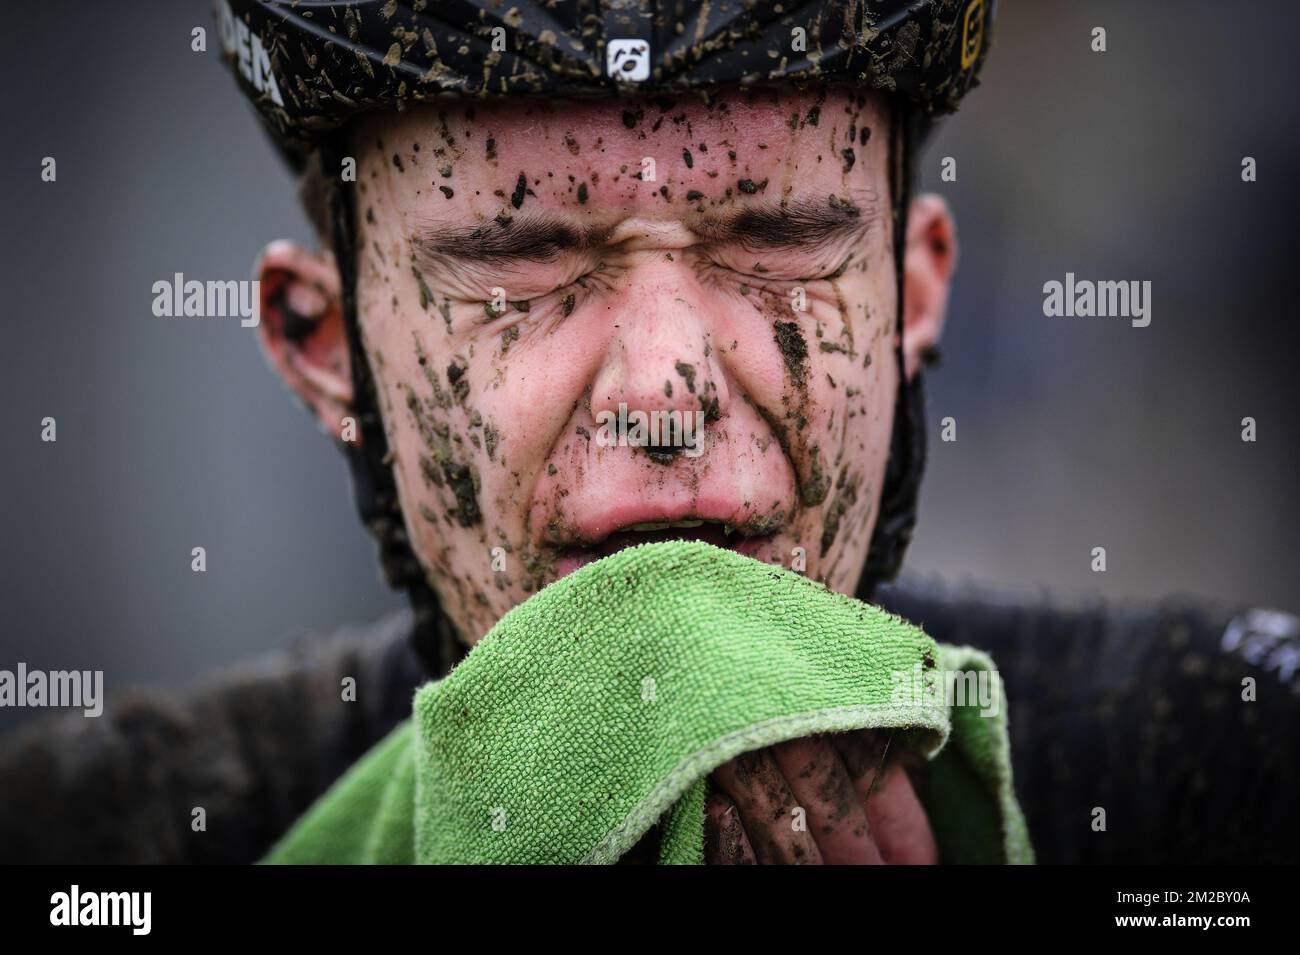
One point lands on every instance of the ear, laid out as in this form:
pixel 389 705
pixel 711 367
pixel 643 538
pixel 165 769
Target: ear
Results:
pixel 302 331
pixel 928 261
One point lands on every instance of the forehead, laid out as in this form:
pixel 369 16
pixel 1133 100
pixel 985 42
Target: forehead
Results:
pixel 657 154
pixel 748 116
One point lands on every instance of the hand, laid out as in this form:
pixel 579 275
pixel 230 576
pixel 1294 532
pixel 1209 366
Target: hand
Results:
pixel 849 817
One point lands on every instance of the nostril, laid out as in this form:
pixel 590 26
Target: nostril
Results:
pixel 662 453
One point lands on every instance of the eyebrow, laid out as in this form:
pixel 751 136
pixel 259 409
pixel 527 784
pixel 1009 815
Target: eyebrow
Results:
pixel 797 224
pixel 522 239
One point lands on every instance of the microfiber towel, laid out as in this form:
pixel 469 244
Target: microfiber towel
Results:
pixel 599 706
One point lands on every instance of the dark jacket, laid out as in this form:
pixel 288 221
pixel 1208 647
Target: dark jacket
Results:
pixel 1137 710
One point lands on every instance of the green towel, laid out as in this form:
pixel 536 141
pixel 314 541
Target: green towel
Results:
pixel 600 705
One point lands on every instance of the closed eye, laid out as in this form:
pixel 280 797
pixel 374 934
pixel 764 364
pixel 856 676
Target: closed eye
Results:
pixel 759 275
pixel 795 265
pixel 562 298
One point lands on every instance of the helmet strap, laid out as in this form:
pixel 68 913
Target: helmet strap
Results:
pixel 898 497
pixel 374 488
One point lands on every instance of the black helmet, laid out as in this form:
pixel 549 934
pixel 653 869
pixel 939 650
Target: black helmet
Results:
pixel 311 64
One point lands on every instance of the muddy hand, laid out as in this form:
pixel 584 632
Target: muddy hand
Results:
pixel 816 800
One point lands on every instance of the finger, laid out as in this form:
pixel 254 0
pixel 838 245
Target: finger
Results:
pixel 836 816
pixel 725 842
pixel 862 753
pixel 754 783
pixel 898 822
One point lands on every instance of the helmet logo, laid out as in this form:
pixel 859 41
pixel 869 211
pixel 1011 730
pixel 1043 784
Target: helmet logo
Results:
pixel 628 60
pixel 972 34
pixel 245 48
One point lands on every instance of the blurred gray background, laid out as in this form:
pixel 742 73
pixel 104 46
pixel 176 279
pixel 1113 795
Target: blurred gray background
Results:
pixel 1072 433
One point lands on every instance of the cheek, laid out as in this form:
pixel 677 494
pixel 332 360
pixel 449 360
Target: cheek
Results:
pixel 438 440
pixel 852 392
pixel 857 368
pixel 469 428
pixel 872 415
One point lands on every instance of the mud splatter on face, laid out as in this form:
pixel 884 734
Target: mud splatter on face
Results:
pixel 793 348
pixel 687 371
pixel 846 495
pixel 817 486
pixel 493 429
pixel 459 383
pixel 425 295
pixel 460 478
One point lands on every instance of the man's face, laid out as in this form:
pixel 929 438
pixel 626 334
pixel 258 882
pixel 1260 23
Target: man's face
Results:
pixel 522 277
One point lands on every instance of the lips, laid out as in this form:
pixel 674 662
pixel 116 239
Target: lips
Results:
pixel 598 501
pixel 647 532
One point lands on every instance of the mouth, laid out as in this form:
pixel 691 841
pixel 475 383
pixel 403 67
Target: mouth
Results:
pixel 713 532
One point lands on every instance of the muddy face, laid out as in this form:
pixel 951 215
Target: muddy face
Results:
pixel 527 267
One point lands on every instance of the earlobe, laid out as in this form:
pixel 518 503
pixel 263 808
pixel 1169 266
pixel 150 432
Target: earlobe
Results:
pixel 929 259
pixel 302 331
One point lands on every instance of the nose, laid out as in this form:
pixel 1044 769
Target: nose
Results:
pixel 661 357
